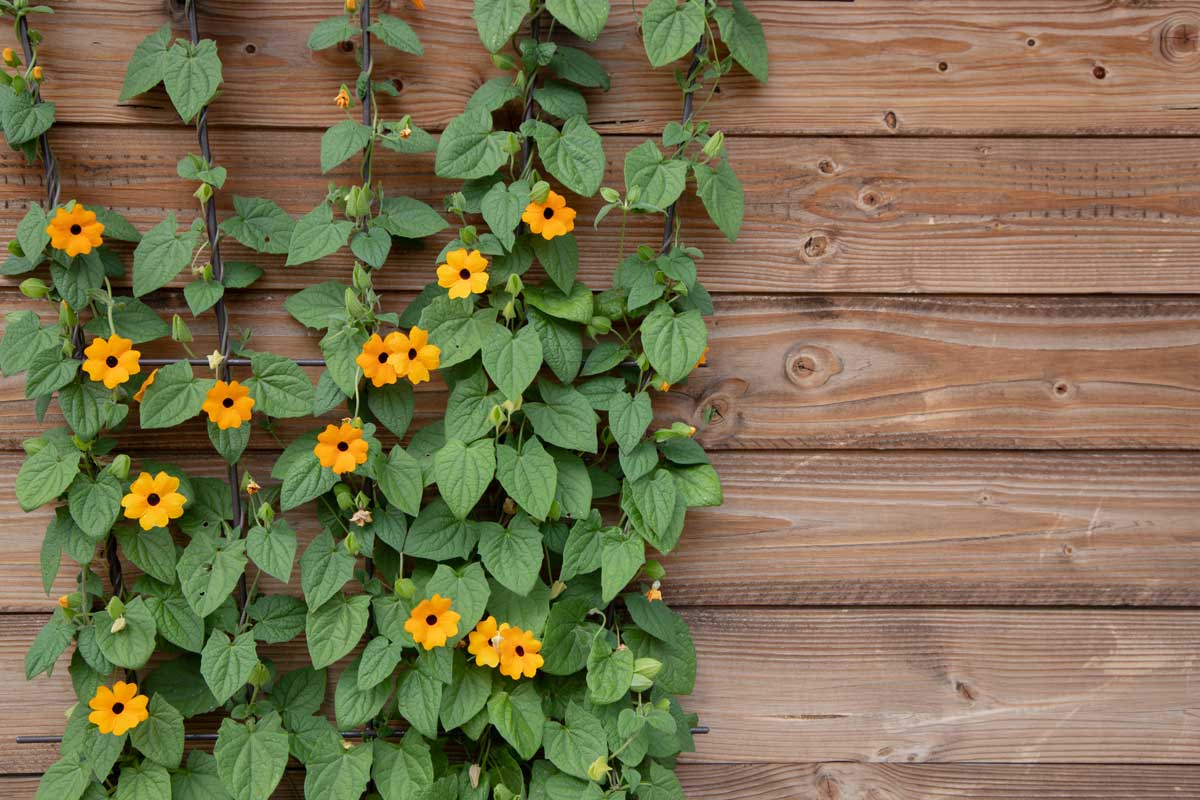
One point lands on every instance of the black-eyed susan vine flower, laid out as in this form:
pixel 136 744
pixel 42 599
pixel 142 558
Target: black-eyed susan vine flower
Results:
pixel 37 74
pixel 111 361
pixel 119 709
pixel 464 273
pixel 341 448
pixel 228 405
pixel 351 6
pixel 655 592
pixel 415 358
pixel 342 100
pixel 519 653
pixel 484 642
pixel 432 622
pixel 154 500
pixel 375 358
pixel 146 384
pixel 550 218
pixel 76 231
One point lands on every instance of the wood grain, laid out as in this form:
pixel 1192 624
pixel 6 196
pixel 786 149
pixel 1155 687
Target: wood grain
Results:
pixel 822 215
pixel 937 528
pixel 869 67
pixel 888 685
pixel 875 782
pixel 863 371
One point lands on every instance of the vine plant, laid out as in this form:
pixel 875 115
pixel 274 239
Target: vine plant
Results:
pixel 484 579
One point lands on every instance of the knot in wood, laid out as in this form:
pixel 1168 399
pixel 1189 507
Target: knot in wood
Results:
pixel 1179 39
pixel 810 366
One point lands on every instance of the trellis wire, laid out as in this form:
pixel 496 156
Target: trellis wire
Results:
pixel 697 730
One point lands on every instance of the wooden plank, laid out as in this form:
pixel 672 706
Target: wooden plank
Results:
pixel 939 528
pixel 862 371
pixel 869 67
pixel 896 685
pixel 822 215
pixel 877 782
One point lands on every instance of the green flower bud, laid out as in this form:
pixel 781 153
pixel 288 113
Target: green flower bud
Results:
pixel 509 312
pixel 512 144
pixel 539 192
pixel 351 544
pixel 496 416
pixel 555 511
pixel 557 588
pixel 358 202
pixel 647 667
pixel 610 195
pixel 514 285
pixel 468 234
pixel 265 514
pixel 180 332
pixel 34 288
pixel 455 203
pixel 663 705
pixel 601 325
pixel 115 607
pixel 119 468
pixel 66 315
pixel 345 499
pixel 715 145
pixel 203 193
pixel 640 683
pixel 503 61
pixel 598 769
pixel 259 675
pixel 360 277
pixel 405 588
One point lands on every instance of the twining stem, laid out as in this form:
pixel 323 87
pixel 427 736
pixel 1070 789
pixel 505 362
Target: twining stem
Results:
pixel 697 53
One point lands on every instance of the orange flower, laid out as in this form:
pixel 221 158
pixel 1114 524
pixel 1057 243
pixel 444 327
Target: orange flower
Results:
pixel 432 622
pixel 378 355
pixel 655 592
pixel 111 360
pixel 76 231
pixel 228 404
pixel 343 98
pixel 551 218
pixel 484 642
pixel 417 357
pixel 141 392
pixel 341 448
pixel 351 6
pixel 519 653
pixel 703 358
pixel 464 274
pixel 420 4
pixel 37 73
pixel 154 500
pixel 118 709
pixel 64 601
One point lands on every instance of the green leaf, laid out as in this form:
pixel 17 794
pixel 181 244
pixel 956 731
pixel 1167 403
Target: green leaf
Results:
pixel 463 473
pixel 673 342
pixel 180 683
pixel 501 208
pixel 25 119
pixel 251 757
pixel 467 589
pixel 574 155
pixel 273 548
pixel 661 181
pixel 278 618
pixel 31 231
pixel 629 417
pixel 394 32
pixel 584 18
pixel 201 295
pixel 226 664
pixel 581 554
pixel 512 361
pixel 568 637
pixel 609 672
pixel 513 555
pixel 66 779
pixel 192 75
pixel 317 235
pixel 575 305
pixel 229 443
pixel 560 100
pixel 468 147
pixel 340 775
pixel 562 345
pixel 194 168
pixel 324 569
pixel 572 747
pixel 564 417
pixel 160 736
pixel 45 475
pixel 199 780
pixel 529 477
pixel 176 395
pixel 304 480
pixel 660 784
pixel 96 503
pixel 175 620
pixel 400 481
pixel 418 698
pixel 49 370
pixel 116 226
pixel 560 258
pixel 392 406
pixel 353 703
pixel 377 663
pixel 467 693
pixel 279 386
pixel 331 31
pixel 318 306
pixel 341 346
pixel 743 34
pixel 721 192
pixel 498 20
pixel 664 636
pixel 518 717
pixel 574 489
pixel 438 535
pixel 621 556
pixel 77 280
pixel 580 68
pixel 147 65
pixel 162 254
pixel 143 781
pixel 452 327
pixel 493 95
pixel 372 246
pixel 342 141
pixel 133 319
pixel 409 219
pixel 51 642
pixel 468 407
pixel 152 551
pixel 402 771
pixel 208 570
pixel 669 30
pixel 240 275
pixel 260 225
pixel 24 337
pixel 699 485
pixel 334 629
pixel 132 646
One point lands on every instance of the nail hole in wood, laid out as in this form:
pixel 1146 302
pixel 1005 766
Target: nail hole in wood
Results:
pixel 943 66
pixel 826 167
pixel 1031 42
pixel 250 48
pixel 1099 72
pixel 346 47
pixel 889 119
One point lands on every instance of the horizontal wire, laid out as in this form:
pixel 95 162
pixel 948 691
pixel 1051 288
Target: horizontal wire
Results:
pixel 212 737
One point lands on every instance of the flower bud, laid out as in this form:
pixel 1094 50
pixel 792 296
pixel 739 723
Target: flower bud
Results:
pixel 37 74
pixel 496 416
pixel 509 312
pixel 215 359
pixel 66 315
pixel 539 192
pixel 115 608
pixel 259 675
pixel 203 193
pixel 351 6
pixel 351 544
pixel 64 602
pixel 512 144
pixel 610 195
pixel 468 234
pixel 601 325
pixel 647 667
pixel 473 772
pixel 509 506
pixel 455 203
pixel 119 468
pixel 557 588
pixel 598 769
pixel 514 285
pixel 180 332
pixel 34 288
pixel 405 587
pixel 118 625
pixel 360 278
pixel 503 61
pixel 715 144
pixel 265 513
pixel 10 58
pixel 345 500
pixel 555 511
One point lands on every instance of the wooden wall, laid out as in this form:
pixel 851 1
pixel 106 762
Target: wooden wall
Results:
pixel 955 368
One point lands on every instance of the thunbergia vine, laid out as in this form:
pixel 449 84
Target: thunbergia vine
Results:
pixel 483 592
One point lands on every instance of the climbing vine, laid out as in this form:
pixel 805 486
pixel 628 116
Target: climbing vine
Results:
pixel 482 591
